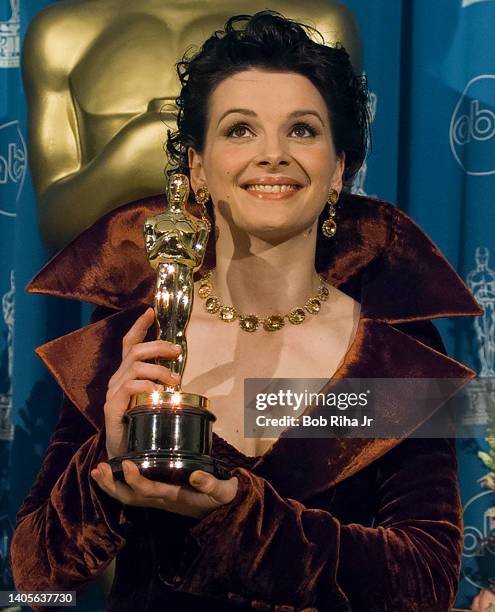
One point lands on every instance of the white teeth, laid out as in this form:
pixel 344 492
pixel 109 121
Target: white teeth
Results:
pixel 271 188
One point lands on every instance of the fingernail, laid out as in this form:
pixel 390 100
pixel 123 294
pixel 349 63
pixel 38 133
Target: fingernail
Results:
pixel 177 347
pixel 96 472
pixel 175 376
pixel 199 480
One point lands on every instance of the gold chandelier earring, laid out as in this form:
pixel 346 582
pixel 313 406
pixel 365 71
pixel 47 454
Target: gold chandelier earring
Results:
pixel 202 196
pixel 329 227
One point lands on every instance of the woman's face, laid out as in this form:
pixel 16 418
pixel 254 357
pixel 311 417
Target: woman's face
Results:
pixel 269 160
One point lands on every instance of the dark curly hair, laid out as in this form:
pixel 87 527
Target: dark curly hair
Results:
pixel 269 41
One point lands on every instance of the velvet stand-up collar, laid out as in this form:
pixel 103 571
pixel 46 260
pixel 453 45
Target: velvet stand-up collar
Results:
pixel 379 256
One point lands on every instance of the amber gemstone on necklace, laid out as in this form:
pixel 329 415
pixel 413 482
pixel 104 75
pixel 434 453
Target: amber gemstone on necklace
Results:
pixel 313 305
pixel 227 313
pixel 212 304
pixel 297 316
pixel 204 290
pixel 273 323
pixel 249 323
pixel 323 293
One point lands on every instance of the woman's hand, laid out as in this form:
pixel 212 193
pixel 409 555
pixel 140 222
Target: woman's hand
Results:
pixel 135 376
pixel 484 601
pixel 208 494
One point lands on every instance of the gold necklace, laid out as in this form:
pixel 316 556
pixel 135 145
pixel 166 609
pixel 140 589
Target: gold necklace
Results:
pixel 251 322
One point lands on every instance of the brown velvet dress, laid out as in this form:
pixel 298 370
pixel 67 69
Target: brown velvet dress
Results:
pixel 368 525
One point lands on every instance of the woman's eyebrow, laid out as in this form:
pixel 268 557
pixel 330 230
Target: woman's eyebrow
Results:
pixel 300 113
pixel 251 113
pixel 243 111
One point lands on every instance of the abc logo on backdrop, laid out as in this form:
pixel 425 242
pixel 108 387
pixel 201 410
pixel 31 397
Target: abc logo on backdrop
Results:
pixel 472 127
pixel 478 524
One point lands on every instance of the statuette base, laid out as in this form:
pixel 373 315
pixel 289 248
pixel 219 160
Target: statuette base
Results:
pixel 171 468
pixel 169 436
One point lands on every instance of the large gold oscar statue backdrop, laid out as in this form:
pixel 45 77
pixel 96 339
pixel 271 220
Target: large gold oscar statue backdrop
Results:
pixel 97 73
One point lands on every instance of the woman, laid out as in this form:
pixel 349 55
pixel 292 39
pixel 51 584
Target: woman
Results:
pixel 272 124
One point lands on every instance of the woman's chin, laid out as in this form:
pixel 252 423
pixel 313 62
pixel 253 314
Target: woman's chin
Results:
pixel 273 233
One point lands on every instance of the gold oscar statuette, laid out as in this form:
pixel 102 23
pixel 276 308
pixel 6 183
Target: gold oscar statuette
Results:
pixel 170 431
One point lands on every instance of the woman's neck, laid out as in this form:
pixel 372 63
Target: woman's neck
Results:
pixel 260 278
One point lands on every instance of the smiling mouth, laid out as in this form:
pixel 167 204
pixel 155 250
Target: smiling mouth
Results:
pixel 272 192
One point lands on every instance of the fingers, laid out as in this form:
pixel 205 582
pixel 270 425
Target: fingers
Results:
pixel 141 371
pixel 486 600
pixel 140 353
pixel 149 350
pixel 475 603
pixel 140 491
pixel 137 332
pixel 135 376
pixel 121 394
pixel 483 601
pixel 221 491
pixel 146 487
pixel 104 477
pixel 172 498
pixel 135 350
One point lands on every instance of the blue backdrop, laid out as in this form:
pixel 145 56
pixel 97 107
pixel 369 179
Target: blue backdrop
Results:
pixel 431 69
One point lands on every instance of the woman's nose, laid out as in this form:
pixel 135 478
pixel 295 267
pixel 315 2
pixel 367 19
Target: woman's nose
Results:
pixel 273 153
pixel 274 161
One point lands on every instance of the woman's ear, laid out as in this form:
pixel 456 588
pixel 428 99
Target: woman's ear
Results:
pixel 196 171
pixel 337 179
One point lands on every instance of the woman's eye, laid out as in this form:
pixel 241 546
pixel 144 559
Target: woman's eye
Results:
pixel 238 131
pixel 303 130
